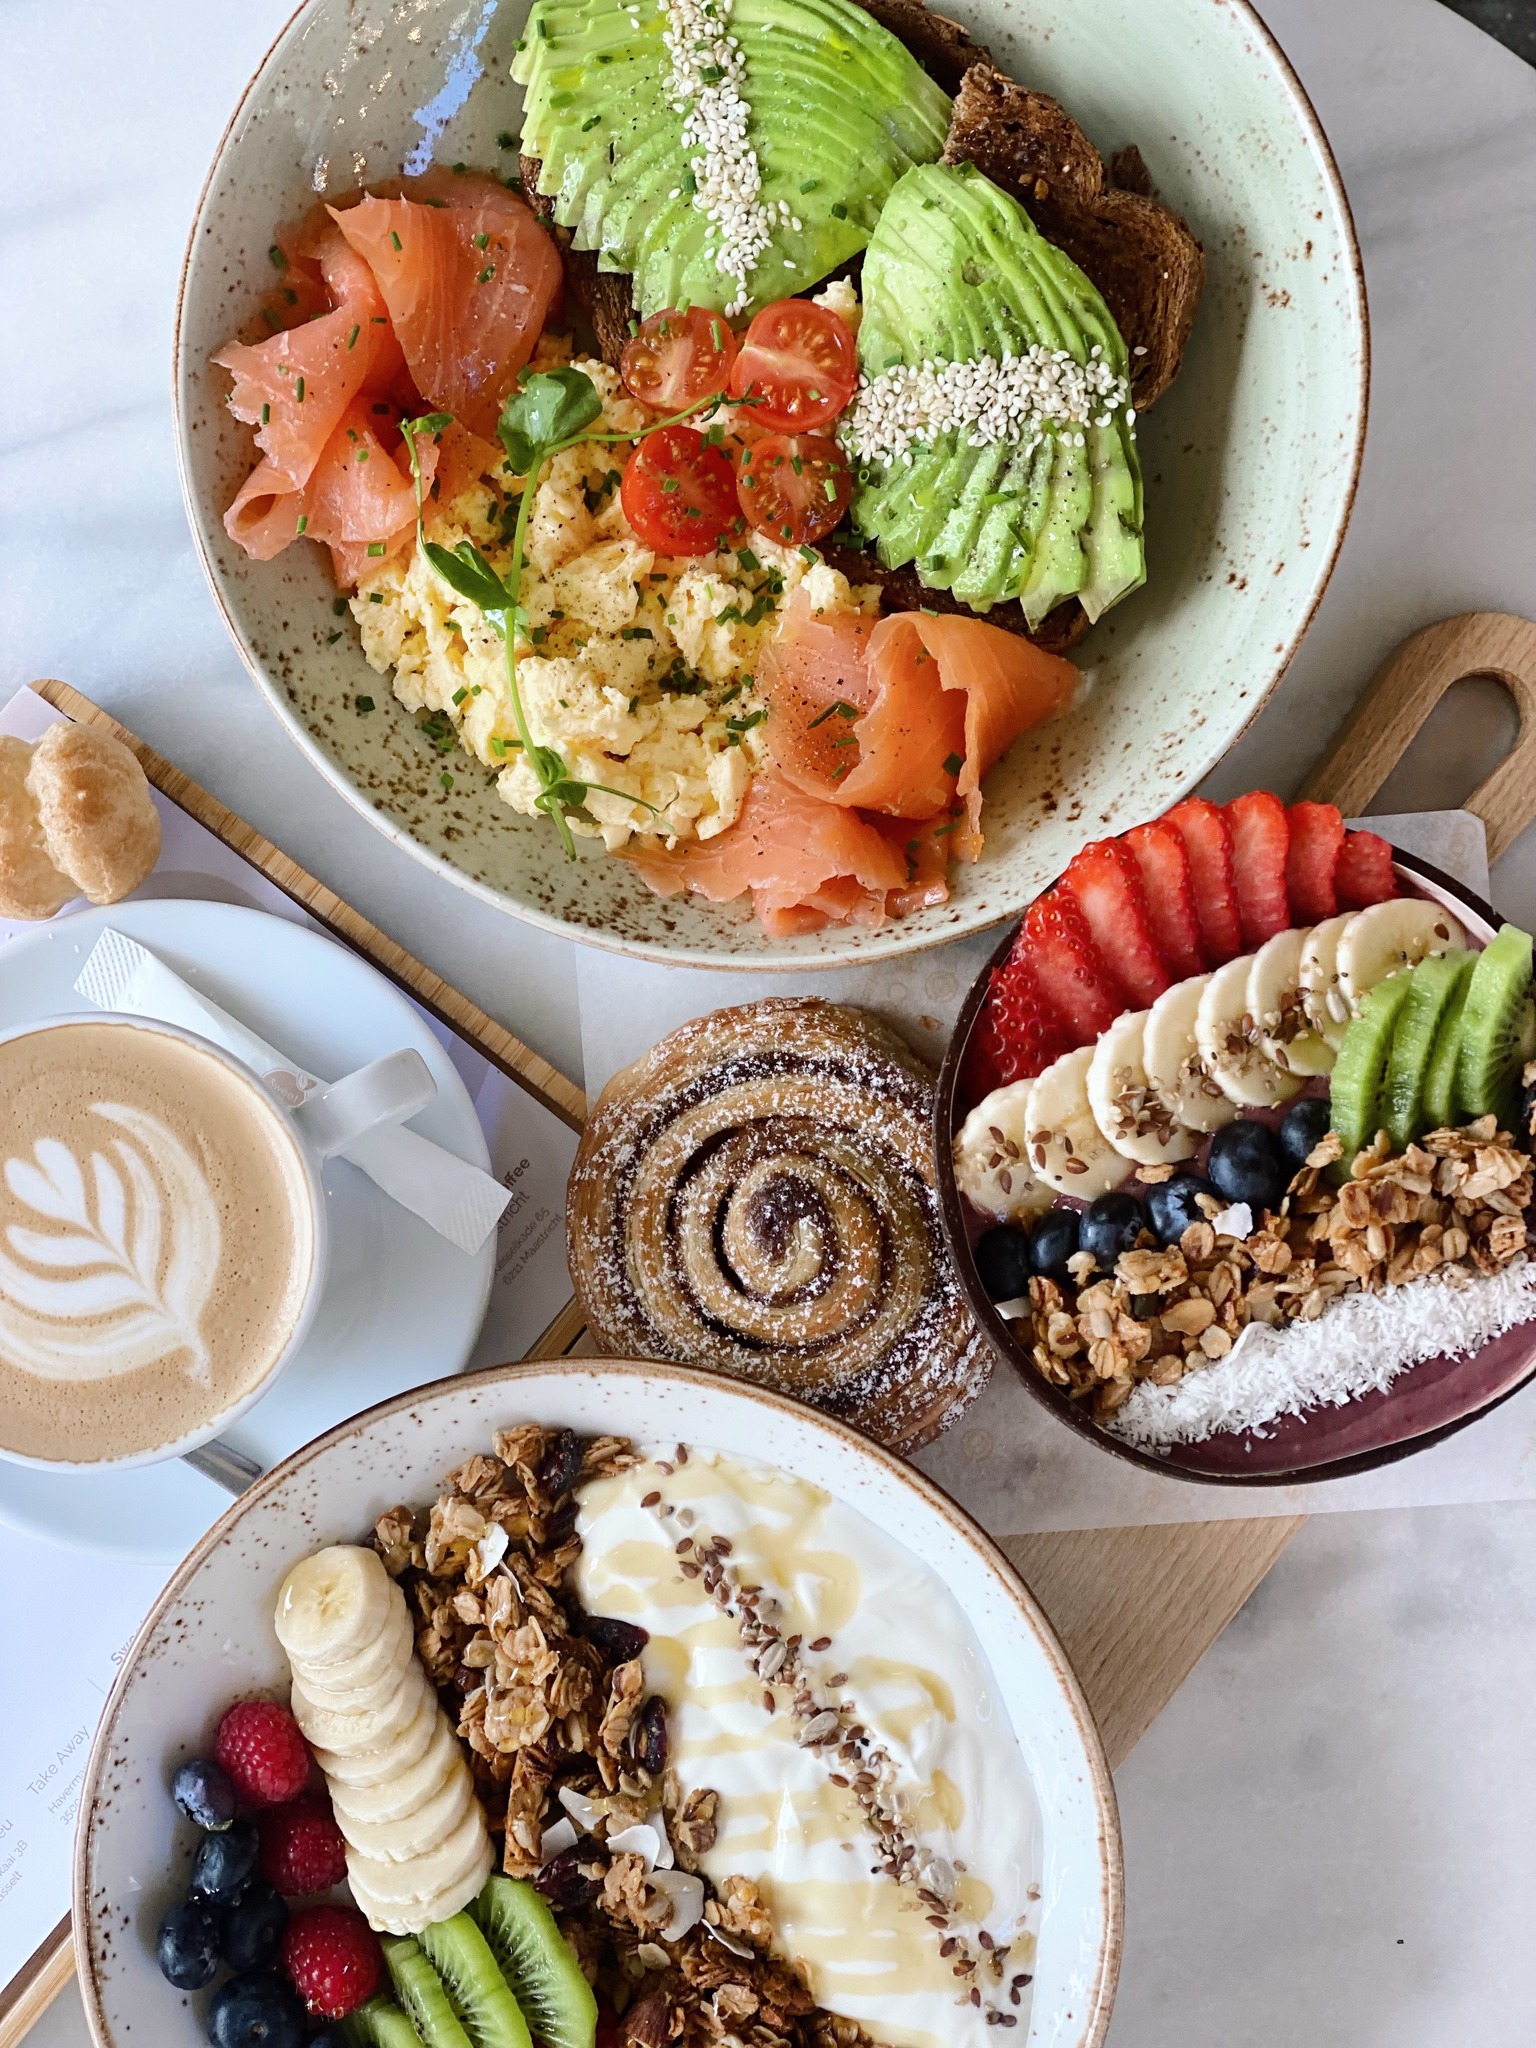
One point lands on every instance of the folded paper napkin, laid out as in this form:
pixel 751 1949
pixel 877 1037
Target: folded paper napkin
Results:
pixel 458 1200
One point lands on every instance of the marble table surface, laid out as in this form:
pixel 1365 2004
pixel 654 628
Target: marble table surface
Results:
pixel 1328 1832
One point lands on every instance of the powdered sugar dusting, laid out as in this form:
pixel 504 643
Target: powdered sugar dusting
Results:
pixel 1359 1346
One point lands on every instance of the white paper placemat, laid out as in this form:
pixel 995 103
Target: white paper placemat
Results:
pixel 76 1614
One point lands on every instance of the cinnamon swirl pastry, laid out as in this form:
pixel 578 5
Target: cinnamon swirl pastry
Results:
pixel 756 1195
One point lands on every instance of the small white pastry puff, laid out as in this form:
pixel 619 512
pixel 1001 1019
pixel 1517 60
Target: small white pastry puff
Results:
pixel 76 818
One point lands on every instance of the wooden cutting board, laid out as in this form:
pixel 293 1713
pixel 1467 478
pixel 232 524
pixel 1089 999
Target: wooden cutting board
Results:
pixel 1136 1609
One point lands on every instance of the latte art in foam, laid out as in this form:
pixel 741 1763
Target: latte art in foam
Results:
pixel 157 1240
pixel 123 1278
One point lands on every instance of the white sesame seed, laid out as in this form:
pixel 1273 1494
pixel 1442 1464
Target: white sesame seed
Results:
pixel 728 179
pixel 990 399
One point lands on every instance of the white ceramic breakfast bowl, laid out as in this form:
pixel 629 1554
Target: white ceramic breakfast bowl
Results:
pixel 209 1639
pixel 1251 459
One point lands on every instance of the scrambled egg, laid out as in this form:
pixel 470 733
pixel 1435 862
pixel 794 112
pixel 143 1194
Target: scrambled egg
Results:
pixel 637 669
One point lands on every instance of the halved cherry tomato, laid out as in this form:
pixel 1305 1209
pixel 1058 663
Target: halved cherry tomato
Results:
pixel 679 492
pixel 678 358
pixel 794 487
pixel 799 363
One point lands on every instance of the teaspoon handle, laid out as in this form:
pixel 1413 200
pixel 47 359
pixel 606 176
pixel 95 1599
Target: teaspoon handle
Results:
pixel 223 1464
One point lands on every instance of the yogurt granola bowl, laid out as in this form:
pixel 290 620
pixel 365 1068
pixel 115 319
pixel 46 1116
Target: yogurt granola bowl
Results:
pixel 647 1642
pixel 1235 1148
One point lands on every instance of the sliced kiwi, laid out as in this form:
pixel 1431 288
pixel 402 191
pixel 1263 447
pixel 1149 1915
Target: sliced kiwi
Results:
pixel 539 1963
pixel 420 1990
pixel 474 1982
pixel 1493 1024
pixel 1356 1107
pixel 380 2024
pixel 1439 1099
pixel 1432 987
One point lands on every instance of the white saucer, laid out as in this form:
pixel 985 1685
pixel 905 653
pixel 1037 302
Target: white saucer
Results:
pixel 415 1303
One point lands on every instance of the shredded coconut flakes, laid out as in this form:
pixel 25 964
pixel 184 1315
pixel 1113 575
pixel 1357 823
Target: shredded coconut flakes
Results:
pixel 990 399
pixel 1359 1346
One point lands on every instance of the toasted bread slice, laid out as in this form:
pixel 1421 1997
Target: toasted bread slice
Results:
pixel 604 296
pixel 1139 252
pixel 903 590
pixel 943 48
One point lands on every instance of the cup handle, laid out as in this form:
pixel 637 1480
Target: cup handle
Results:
pixel 386 1091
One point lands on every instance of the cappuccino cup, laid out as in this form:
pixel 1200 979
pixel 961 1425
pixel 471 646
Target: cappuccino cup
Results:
pixel 163 1232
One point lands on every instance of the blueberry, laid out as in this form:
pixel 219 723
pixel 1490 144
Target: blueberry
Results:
pixel 1305 1124
pixel 1171 1205
pixel 187 1946
pixel 204 1794
pixel 224 1861
pixel 253 1928
pixel 1244 1165
pixel 1002 1260
pixel 1110 1226
pixel 328 2037
pixel 257 2009
pixel 1054 1241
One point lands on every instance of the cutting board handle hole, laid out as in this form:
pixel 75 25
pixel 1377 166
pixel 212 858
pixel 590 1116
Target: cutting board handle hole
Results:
pixel 1470 731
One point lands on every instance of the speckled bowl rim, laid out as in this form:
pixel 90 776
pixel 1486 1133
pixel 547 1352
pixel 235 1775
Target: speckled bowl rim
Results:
pixel 1070 1414
pixel 688 955
pixel 988 1554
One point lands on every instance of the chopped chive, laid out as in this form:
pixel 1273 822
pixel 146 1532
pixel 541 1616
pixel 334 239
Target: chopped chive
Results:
pixel 590 123
pixel 810 184
pixel 717 334
pixel 364 704
pixel 461 693
pixel 352 337
pixel 506 139
pixel 446 779
pixel 636 633
pixel 809 554
pixel 747 559
pixel 303 522
pixel 266 413
pixel 276 258
pixel 797 464
pixel 498 747
pixel 953 763
pixel 375 597
pixel 298 392
pixel 376 548
pixel 839 211
pixel 270 317
pixel 339 607
pixel 332 638
pixel 481 241
pixel 487 274
pixel 394 238
pixel 831 490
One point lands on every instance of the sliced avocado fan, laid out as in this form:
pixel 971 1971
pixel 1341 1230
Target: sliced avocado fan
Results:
pixel 837 111
pixel 956 272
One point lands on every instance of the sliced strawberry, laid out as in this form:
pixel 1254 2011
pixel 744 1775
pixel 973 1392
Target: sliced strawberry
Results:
pixel 1208 842
pixel 1106 884
pixel 1017 1035
pixel 1169 887
pixel 1261 841
pixel 1067 968
pixel 1317 833
pixel 1364 874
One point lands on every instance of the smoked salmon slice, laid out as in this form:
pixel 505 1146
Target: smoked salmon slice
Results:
pixel 904 714
pixel 807 863
pixel 1008 685
pixel 468 282
pixel 359 500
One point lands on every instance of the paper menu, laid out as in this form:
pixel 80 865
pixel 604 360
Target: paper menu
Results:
pixel 66 1618
pixel 1008 1461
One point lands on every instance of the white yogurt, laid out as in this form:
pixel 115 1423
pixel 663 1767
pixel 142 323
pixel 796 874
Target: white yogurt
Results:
pixel 915 1675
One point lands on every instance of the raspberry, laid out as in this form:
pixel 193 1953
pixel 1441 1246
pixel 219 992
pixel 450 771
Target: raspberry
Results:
pixel 1261 843
pixel 1105 883
pixel 264 1754
pixel 1317 838
pixel 334 1959
pixel 301 1847
pixel 1208 842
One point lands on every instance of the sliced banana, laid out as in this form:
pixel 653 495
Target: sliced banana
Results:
pixel 1327 1006
pixel 1228 1040
pixel 1277 1006
pixel 1131 1114
pixel 375 1766
pixel 1172 1059
pixel 992 1167
pixel 416 1833
pixel 372 1727
pixel 352 1684
pixel 1067 1149
pixel 403 1791
pixel 334 1604
pixel 428 1877
pixel 409 1916
pixel 1390 936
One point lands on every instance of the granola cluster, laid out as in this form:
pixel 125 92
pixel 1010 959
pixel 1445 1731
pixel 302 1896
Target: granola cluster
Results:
pixel 1453 1205
pixel 551 1704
